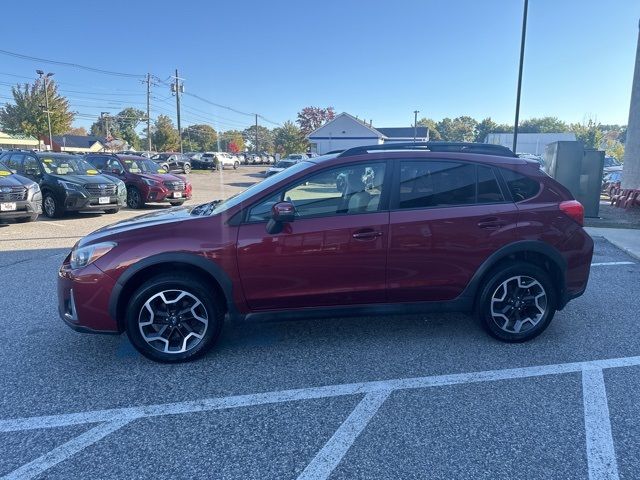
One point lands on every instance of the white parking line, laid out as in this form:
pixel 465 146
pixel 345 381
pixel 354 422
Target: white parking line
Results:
pixel 605 264
pixel 56 224
pixel 64 451
pixel 328 458
pixel 601 455
pixel 599 449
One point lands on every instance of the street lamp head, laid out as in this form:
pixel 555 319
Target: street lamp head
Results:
pixel 50 74
pixel 39 72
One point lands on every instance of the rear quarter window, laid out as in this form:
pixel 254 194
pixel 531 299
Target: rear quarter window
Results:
pixel 520 186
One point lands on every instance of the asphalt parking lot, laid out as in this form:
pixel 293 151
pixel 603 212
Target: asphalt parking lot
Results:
pixel 415 396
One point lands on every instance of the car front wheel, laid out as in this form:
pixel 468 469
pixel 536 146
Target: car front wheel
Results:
pixel 517 302
pixel 186 168
pixel 134 198
pixel 173 318
pixel 51 207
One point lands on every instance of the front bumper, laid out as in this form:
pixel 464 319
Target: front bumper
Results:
pixel 83 299
pixel 75 201
pixel 25 208
pixel 163 194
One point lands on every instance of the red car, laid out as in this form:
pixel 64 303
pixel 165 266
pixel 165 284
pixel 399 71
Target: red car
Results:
pixel 416 228
pixel 146 181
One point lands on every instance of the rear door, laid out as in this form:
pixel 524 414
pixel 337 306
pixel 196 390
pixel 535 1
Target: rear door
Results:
pixel 334 253
pixel 446 218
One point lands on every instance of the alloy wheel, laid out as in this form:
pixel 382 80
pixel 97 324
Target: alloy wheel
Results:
pixel 173 321
pixel 49 206
pixel 518 304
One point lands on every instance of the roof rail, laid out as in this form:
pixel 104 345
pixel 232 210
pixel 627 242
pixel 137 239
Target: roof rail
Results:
pixel 460 147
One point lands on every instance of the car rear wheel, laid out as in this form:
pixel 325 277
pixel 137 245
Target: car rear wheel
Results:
pixel 173 318
pixel 517 302
pixel 51 207
pixel 134 198
pixel 236 165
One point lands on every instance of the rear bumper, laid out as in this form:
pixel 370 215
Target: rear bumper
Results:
pixel 578 252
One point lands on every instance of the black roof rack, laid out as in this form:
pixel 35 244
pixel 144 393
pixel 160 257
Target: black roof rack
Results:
pixel 460 147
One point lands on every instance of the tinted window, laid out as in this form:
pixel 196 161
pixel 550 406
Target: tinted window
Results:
pixel 488 188
pixel 520 186
pixel 14 161
pixel 30 166
pixel 98 162
pixel 436 184
pixel 351 189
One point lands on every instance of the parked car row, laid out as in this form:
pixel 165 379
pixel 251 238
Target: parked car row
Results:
pixel 33 182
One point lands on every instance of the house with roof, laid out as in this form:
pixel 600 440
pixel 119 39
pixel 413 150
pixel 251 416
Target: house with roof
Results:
pixel 9 140
pixel 75 143
pixel 345 131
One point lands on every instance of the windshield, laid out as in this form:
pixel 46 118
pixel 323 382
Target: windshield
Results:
pixel 4 170
pixel 142 166
pixel 67 165
pixel 216 207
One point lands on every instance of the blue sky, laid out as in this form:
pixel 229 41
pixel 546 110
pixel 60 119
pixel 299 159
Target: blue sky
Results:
pixel 377 60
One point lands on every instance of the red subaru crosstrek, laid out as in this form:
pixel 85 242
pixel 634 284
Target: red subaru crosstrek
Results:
pixel 146 181
pixel 412 228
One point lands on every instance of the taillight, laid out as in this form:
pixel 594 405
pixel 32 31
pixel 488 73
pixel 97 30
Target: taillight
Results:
pixel 574 210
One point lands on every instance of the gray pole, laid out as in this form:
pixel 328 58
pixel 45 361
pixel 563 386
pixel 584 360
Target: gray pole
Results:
pixel 178 108
pixel 415 124
pixel 46 100
pixel 148 111
pixel 524 34
pixel 257 134
pixel 631 166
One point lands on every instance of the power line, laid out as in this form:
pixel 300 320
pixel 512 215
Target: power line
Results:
pixel 68 64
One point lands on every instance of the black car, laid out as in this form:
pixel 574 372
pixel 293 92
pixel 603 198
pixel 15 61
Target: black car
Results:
pixel 173 162
pixel 67 182
pixel 20 198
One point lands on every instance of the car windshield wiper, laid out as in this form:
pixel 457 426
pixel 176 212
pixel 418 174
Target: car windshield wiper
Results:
pixel 205 209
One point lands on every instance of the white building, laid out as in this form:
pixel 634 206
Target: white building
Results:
pixel 346 131
pixel 529 142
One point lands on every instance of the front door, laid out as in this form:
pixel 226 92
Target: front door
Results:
pixel 333 253
pixel 447 218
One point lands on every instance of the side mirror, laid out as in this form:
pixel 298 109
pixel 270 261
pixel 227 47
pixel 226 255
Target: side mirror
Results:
pixel 281 213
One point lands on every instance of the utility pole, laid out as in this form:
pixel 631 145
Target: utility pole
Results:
pixel 178 88
pixel 46 99
pixel 148 111
pixel 415 124
pixel 105 123
pixel 524 34
pixel 631 164
pixel 257 134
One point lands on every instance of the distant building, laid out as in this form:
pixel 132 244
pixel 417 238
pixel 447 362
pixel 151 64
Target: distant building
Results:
pixel 346 131
pixel 8 140
pixel 529 142
pixel 75 143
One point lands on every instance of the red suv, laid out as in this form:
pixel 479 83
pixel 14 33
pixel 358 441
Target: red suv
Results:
pixel 414 228
pixel 146 181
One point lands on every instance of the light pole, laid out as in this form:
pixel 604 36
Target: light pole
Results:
pixel 522 40
pixel 46 99
pixel 105 123
pixel 415 124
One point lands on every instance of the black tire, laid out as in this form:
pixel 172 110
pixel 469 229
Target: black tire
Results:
pixel 521 296
pixel 51 206
pixel 166 168
pixel 134 198
pixel 111 211
pixel 186 168
pixel 192 285
pixel 236 165
pixel 31 218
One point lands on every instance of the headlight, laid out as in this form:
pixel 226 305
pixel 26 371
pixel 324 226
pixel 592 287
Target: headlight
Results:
pixel 83 256
pixel 69 185
pixel 34 188
pixel 150 182
pixel 122 188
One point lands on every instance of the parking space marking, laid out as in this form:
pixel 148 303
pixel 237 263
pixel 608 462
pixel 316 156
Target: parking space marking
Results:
pixel 605 264
pixel 599 448
pixel 56 224
pixel 64 451
pixel 601 455
pixel 329 456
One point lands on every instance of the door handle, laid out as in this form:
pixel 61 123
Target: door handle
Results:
pixel 491 223
pixel 366 235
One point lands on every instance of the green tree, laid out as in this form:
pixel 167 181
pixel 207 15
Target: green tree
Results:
pixel 122 126
pixel 76 131
pixel 542 125
pixel 311 118
pixel 225 139
pixel 615 149
pixel 434 134
pixel 165 136
pixel 588 133
pixel 487 126
pixel 199 137
pixel 28 116
pixel 289 139
pixel 460 129
pixel 265 138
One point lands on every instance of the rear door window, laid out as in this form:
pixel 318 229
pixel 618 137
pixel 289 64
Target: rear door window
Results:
pixel 488 187
pixel 427 183
pixel 520 186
